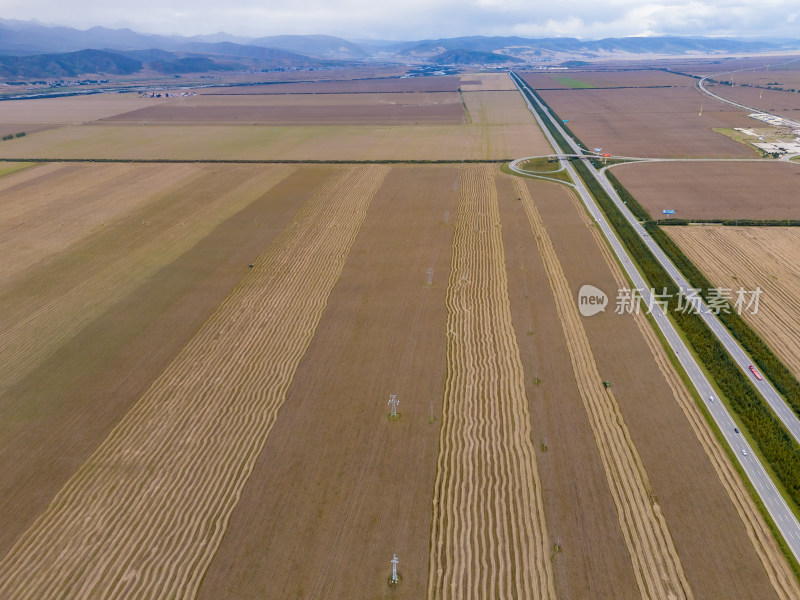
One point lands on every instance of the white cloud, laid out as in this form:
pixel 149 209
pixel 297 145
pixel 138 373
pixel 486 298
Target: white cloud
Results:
pixel 416 19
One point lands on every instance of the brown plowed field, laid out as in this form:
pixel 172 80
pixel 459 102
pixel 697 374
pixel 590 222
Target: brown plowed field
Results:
pixel 355 86
pixel 607 79
pixel 749 258
pixel 715 190
pixel 338 488
pixel 784 104
pixel 184 476
pixel 658 122
pixel 683 481
pixel 353 109
pixel 488 535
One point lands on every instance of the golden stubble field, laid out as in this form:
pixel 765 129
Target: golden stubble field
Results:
pixel 195 405
pixel 751 258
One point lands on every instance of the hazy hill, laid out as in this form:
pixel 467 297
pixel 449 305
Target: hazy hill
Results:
pixel 69 64
pixel 317 46
pixel 472 57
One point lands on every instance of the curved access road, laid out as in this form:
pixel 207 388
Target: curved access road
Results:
pixel 778 509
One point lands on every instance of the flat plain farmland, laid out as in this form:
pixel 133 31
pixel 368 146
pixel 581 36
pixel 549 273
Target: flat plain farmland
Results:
pixel 783 103
pixel 87 328
pixel 500 128
pixel 338 487
pixel 784 76
pixel 651 122
pixel 688 485
pixel 39 114
pixel 345 86
pixel 750 258
pixel 606 79
pixel 302 109
pixel 486 81
pixel 146 513
pixel 715 190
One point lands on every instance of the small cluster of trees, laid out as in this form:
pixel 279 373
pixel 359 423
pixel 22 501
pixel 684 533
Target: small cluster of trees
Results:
pixel 11 136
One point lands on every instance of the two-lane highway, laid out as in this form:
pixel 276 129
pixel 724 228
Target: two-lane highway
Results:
pixel 783 517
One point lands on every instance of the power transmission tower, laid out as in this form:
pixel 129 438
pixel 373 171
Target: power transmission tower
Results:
pixel 430 275
pixel 393 402
pixel 394 562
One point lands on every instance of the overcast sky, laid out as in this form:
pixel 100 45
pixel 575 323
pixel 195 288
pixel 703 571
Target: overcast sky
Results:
pixel 418 19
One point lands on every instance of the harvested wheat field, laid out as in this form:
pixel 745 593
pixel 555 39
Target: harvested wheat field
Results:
pixel 658 122
pixel 751 258
pixel 338 488
pixel 665 435
pixel 87 329
pixel 210 430
pixel 186 449
pixel 489 536
pixel 715 190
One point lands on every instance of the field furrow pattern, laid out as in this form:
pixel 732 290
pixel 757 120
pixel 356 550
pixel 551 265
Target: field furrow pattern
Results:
pixel 489 537
pixel 145 514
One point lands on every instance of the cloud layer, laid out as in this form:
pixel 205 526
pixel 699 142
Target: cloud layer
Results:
pixel 418 19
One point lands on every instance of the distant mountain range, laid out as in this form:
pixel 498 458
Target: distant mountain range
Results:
pixel 31 50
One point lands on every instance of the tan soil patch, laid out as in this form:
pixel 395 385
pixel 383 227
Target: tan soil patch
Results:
pixel 486 81
pixel 715 190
